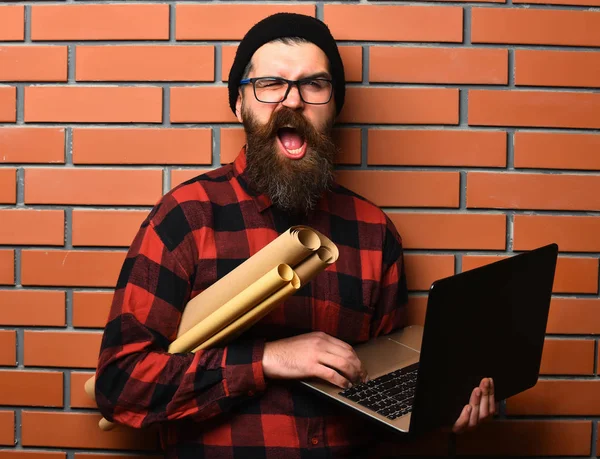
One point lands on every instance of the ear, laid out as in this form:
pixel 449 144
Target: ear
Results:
pixel 238 106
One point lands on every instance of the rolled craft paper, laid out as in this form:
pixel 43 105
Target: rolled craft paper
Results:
pixel 244 322
pixel 267 285
pixel 292 247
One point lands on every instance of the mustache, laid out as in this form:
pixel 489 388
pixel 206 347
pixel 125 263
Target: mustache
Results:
pixel 286 117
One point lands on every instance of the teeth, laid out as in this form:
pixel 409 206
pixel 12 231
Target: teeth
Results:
pixel 297 151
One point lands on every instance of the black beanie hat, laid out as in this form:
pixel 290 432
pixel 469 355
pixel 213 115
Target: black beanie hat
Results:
pixel 288 25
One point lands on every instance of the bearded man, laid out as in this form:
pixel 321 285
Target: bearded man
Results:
pixel 286 86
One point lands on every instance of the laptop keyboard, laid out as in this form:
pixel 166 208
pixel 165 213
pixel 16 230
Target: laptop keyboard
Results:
pixel 390 395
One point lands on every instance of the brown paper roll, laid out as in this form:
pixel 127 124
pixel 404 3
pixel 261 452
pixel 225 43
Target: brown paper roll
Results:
pixel 290 248
pixel 244 322
pixel 248 298
pixel 313 265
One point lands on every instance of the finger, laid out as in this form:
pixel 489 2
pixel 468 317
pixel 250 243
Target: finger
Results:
pixel 332 376
pixel 463 420
pixel 474 402
pixel 492 399
pixel 346 367
pixel 335 341
pixel 484 406
pixel 348 354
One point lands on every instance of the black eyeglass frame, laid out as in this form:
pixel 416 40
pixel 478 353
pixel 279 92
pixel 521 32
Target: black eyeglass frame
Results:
pixel 289 83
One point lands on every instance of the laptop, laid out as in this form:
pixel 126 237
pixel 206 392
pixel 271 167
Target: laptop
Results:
pixel 486 322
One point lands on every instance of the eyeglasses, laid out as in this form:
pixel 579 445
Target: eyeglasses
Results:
pixel 273 90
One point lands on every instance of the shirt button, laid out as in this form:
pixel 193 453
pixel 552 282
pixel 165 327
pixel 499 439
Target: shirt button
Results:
pixel 315 441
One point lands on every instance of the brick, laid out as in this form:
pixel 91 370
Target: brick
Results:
pixel 178 176
pixel 95 104
pixel 351 58
pixel 461 231
pixel 106 227
pixel 7 428
pixel 24 454
pixel 534 108
pixel 33 63
pixel 406 189
pixel 31 388
pixel 90 309
pixel 12 22
pixel 8 104
pixel 71 268
pixel 574 316
pixel 8 185
pixel 348 141
pixel 227 58
pixel 560 2
pixel 22 227
pixel 395 23
pixel 80 430
pixel 7 267
pixel 557 68
pixel 232 141
pixel 571 233
pixel 438 65
pixel 547 150
pixel 426 147
pixel 552 27
pixel 573 275
pixel 61 349
pixel 145 63
pixel 79 398
pixel 8 348
pixel 32 145
pixel 43 308
pixel 400 106
pixel 527 438
pixel 533 191
pixel 201 105
pixel 142 146
pixel 422 270
pixel 226 22
pixel 577 275
pixel 561 397
pixel 93 186
pixel 568 357
pixel 100 22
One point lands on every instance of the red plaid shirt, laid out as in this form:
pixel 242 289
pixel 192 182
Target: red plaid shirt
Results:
pixel 217 401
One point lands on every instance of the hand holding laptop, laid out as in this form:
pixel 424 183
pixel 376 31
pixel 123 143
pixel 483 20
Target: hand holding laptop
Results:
pixel 318 355
pixel 482 406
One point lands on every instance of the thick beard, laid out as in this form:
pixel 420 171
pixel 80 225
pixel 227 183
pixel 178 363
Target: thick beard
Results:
pixel 294 186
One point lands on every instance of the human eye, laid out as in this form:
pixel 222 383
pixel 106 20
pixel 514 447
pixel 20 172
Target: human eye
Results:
pixel 316 84
pixel 269 83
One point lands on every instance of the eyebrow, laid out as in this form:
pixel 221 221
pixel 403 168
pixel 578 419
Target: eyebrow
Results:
pixel 326 75
pixel 318 75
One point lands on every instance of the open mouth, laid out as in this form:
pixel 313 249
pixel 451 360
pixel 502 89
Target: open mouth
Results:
pixel 292 143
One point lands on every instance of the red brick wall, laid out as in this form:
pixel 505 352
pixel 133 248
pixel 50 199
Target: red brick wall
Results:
pixel 475 126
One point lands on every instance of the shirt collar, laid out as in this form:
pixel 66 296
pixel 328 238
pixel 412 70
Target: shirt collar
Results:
pixel 262 201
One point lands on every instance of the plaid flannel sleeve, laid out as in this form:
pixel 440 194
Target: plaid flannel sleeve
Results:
pixel 390 309
pixel 138 383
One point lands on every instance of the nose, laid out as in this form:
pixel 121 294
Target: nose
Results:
pixel 293 99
